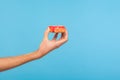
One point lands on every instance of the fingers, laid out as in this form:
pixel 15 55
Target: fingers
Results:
pixel 64 38
pixel 55 36
pixel 46 33
pixel 64 35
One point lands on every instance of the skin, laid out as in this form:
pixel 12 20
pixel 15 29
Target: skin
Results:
pixel 45 47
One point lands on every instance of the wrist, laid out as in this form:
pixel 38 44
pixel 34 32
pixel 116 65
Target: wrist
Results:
pixel 38 54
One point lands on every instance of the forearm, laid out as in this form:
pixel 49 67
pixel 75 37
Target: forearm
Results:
pixel 11 62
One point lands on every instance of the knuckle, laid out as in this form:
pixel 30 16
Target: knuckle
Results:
pixel 66 40
pixel 57 46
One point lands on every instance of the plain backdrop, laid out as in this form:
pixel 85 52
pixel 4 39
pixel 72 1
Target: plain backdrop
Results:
pixel 93 49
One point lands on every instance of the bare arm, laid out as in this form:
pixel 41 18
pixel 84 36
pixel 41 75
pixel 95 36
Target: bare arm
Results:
pixel 45 47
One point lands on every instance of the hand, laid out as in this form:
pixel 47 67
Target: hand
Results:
pixel 48 45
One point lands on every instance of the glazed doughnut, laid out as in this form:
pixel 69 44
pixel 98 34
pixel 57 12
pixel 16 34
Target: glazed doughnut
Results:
pixel 57 29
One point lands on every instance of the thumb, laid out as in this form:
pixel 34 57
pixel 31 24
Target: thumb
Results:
pixel 46 33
